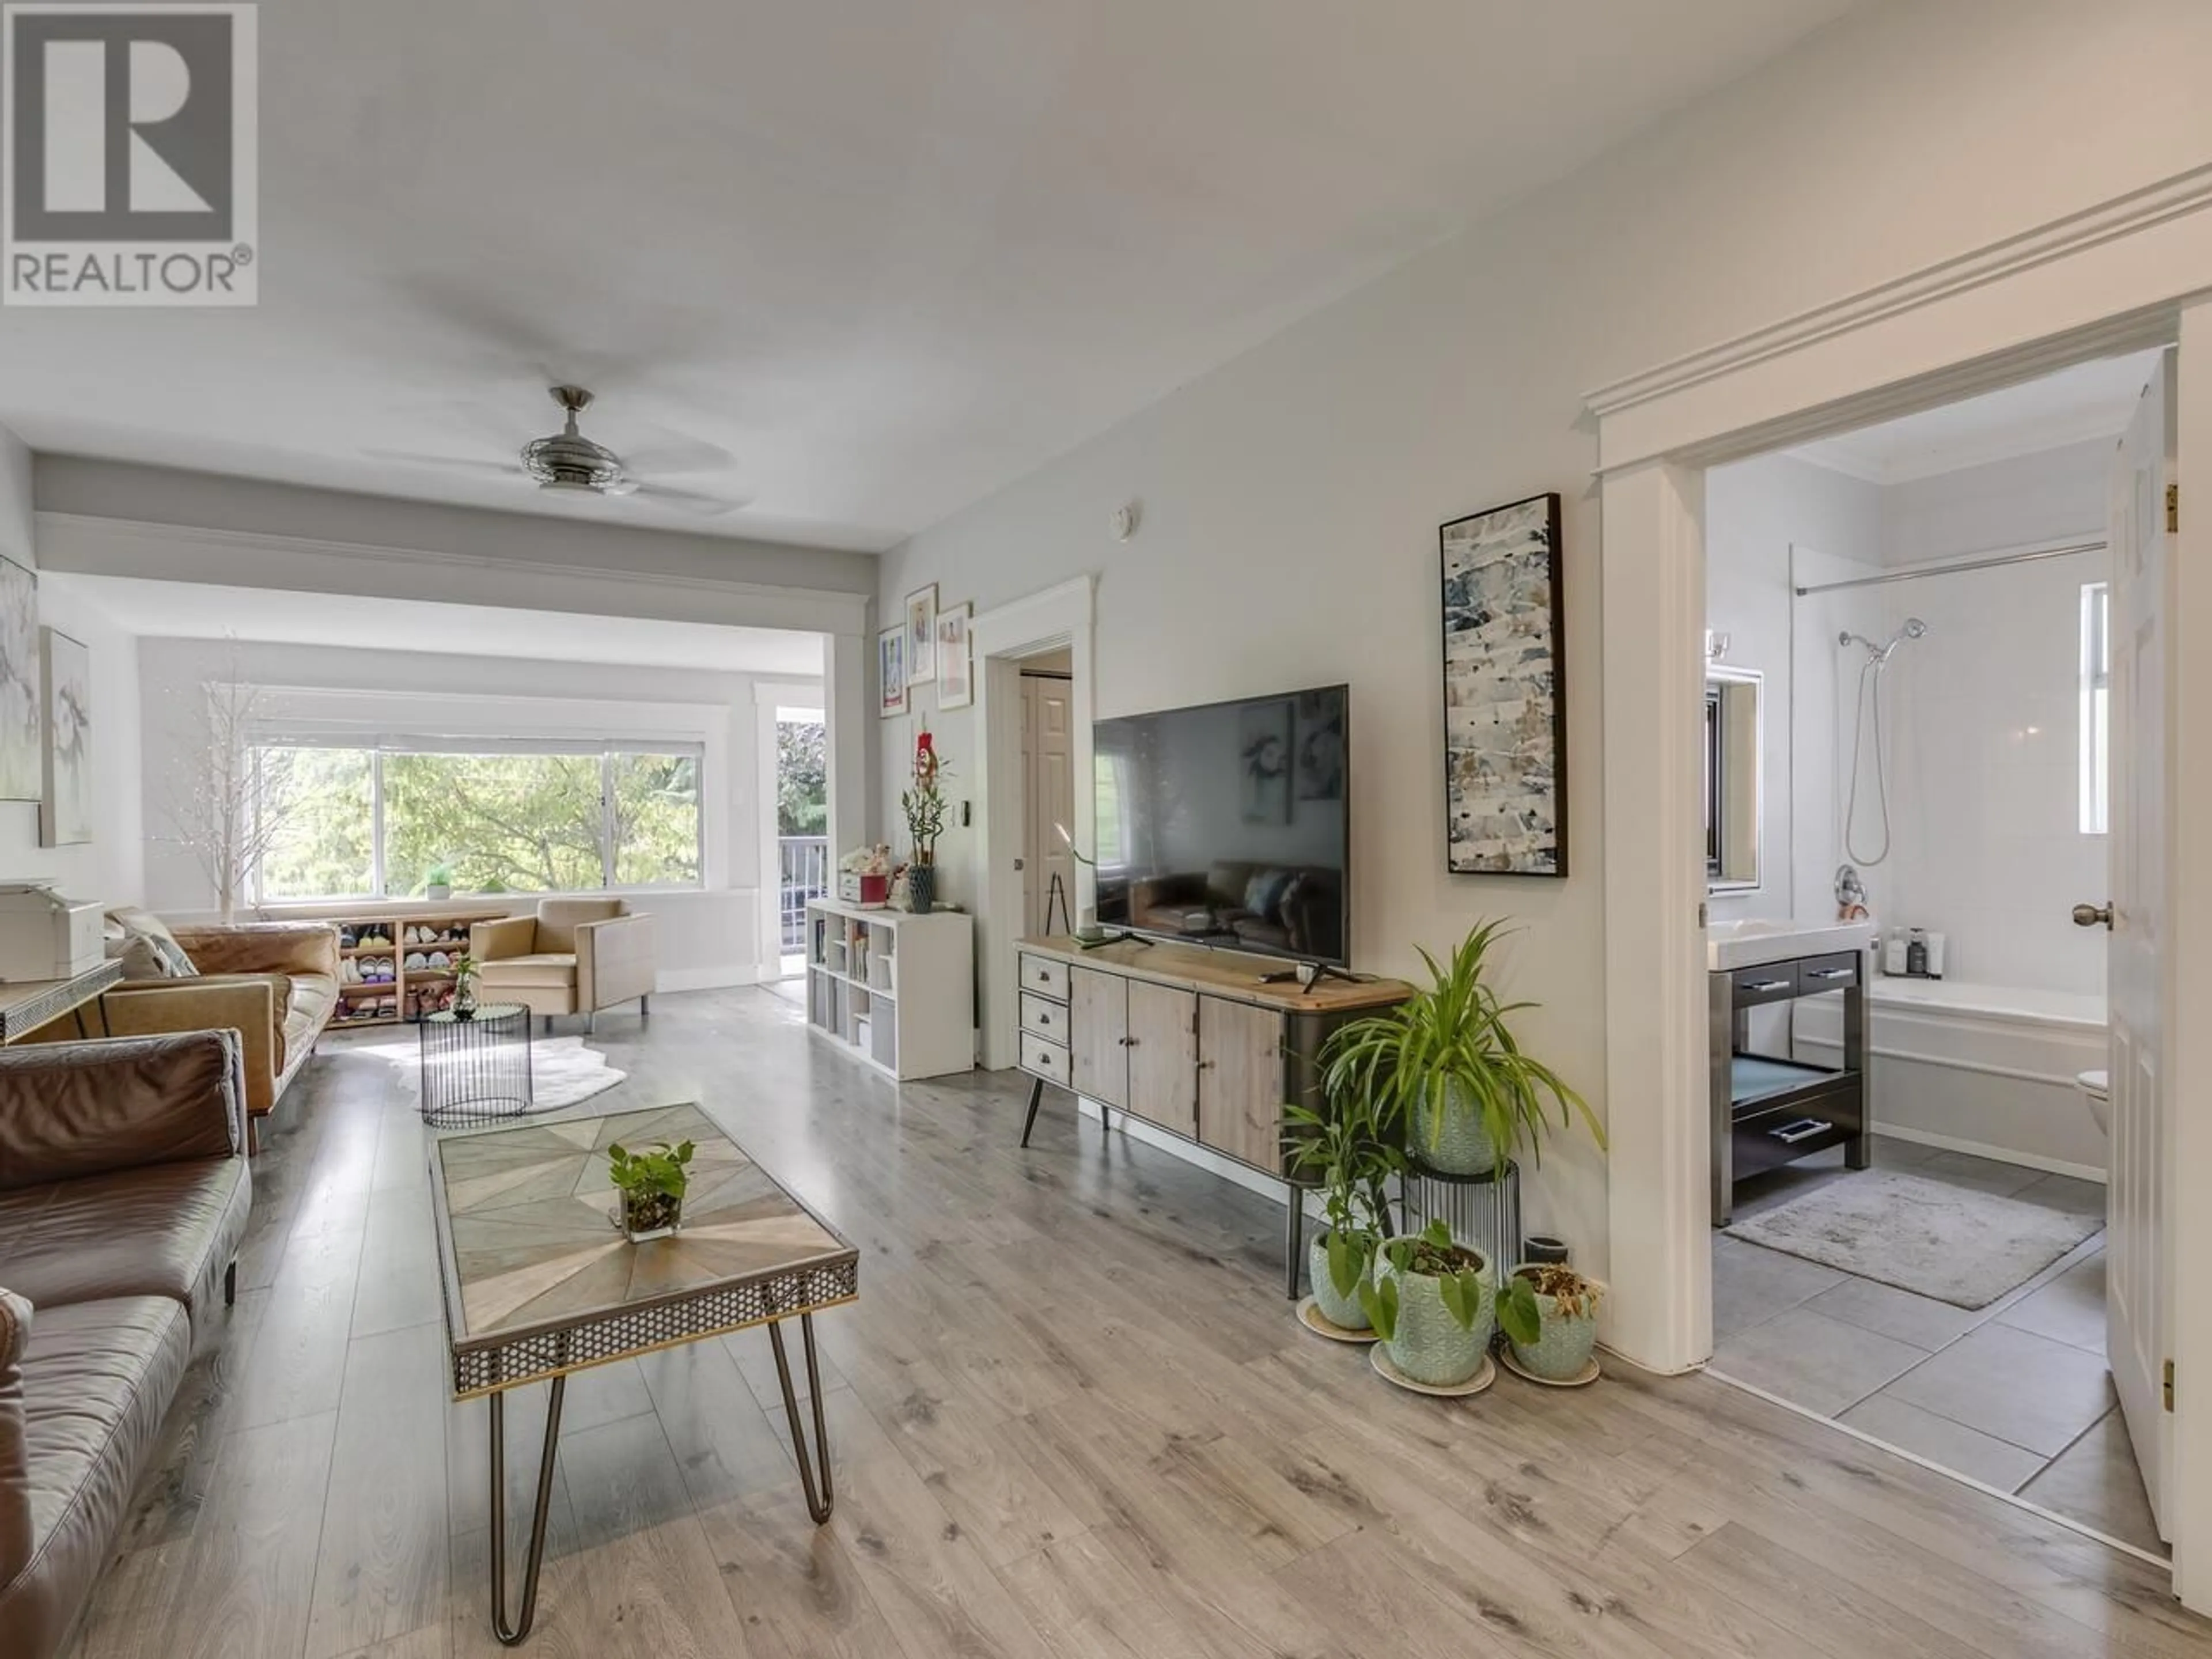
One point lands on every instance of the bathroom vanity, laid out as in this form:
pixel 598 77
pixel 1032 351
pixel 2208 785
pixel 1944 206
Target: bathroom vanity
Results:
pixel 1772 1109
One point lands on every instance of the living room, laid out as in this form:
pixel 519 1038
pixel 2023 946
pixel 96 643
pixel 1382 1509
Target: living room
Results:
pixel 618 388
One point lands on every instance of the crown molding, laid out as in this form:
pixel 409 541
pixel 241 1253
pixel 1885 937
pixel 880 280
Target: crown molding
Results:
pixel 2174 197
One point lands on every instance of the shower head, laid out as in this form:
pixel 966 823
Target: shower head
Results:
pixel 1914 629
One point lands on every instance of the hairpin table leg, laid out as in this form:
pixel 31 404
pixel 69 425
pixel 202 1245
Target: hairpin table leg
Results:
pixel 819 1505
pixel 509 1637
pixel 1036 1094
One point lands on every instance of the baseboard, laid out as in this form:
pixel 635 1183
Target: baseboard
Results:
pixel 1129 1124
pixel 707 979
pixel 1995 1154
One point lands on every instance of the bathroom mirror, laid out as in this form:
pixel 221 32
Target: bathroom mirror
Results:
pixel 1733 744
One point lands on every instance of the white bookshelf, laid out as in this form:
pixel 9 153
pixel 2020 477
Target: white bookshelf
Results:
pixel 897 990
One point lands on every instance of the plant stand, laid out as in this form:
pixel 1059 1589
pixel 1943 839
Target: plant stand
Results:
pixel 1482 1211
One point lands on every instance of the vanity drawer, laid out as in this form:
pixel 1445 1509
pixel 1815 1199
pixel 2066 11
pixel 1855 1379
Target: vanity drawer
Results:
pixel 1836 973
pixel 1043 1017
pixel 1771 982
pixel 1042 976
pixel 1043 1058
pixel 1759 1145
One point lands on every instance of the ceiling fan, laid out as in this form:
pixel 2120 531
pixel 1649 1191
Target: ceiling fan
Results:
pixel 568 461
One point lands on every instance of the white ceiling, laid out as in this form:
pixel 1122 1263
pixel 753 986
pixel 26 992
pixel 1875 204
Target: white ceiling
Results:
pixel 890 254
pixel 192 610
pixel 2089 401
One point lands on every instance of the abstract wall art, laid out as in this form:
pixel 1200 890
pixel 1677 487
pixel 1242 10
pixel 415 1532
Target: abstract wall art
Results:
pixel 65 761
pixel 1506 720
pixel 22 730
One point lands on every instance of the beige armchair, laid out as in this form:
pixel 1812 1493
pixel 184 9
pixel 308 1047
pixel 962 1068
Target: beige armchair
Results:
pixel 576 956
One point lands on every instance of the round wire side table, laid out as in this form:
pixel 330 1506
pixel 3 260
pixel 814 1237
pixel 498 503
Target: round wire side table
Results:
pixel 1481 1210
pixel 475 1071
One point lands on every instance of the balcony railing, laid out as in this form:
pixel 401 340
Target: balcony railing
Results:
pixel 803 863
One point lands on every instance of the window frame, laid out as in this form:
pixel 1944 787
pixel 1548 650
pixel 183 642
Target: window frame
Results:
pixel 2094 790
pixel 609 752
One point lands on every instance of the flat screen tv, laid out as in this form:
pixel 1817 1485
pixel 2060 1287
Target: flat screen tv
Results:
pixel 1230 825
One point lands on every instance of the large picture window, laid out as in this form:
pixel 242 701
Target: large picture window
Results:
pixel 377 821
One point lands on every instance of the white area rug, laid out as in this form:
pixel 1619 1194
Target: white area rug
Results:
pixel 1950 1243
pixel 563 1071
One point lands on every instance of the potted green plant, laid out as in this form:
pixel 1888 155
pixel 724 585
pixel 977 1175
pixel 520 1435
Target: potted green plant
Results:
pixel 1554 1324
pixel 464 987
pixel 1434 1304
pixel 1446 1062
pixel 652 1184
pixel 438 881
pixel 1351 1158
pixel 924 805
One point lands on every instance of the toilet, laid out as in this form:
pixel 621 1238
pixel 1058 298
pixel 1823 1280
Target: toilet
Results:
pixel 2096 1089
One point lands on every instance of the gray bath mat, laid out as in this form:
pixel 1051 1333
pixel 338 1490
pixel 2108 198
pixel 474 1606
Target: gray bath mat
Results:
pixel 1950 1243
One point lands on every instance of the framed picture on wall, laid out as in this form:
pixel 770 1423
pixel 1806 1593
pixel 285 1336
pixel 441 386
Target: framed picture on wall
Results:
pixel 1506 714
pixel 22 727
pixel 956 670
pixel 890 671
pixel 921 635
pixel 65 763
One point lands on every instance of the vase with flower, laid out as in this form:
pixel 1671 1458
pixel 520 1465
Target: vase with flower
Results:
pixel 923 801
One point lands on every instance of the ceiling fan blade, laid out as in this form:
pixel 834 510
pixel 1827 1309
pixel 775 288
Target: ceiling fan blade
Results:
pixel 673 452
pixel 449 463
pixel 690 501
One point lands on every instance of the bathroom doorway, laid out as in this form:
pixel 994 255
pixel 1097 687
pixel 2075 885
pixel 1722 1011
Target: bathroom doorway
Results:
pixel 1914 1237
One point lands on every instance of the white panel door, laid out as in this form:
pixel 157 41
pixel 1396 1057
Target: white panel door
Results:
pixel 2138 1249
pixel 1049 746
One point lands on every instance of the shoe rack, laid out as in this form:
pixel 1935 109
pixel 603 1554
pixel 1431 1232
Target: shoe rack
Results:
pixel 393 969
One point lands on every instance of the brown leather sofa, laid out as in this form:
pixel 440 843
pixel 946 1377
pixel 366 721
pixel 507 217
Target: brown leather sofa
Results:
pixel 124 1194
pixel 275 983
pixel 576 956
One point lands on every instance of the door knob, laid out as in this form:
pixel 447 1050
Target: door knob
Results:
pixel 2093 915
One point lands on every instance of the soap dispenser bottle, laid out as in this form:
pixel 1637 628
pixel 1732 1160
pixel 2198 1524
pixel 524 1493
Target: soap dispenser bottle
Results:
pixel 1915 954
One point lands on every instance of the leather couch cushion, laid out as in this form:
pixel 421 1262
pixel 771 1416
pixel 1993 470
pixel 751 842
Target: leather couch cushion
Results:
pixel 168 1230
pixel 308 1002
pixel 543 968
pixel 117 1104
pixel 98 1379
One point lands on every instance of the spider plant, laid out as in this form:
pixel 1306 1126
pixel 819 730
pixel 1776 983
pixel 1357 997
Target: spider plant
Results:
pixel 1446 1063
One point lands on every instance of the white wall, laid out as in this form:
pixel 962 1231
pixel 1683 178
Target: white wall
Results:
pixel 1756 513
pixel 712 937
pixel 111 867
pixel 1291 497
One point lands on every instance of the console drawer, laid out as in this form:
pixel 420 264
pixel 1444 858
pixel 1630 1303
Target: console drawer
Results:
pixel 1044 1059
pixel 1770 982
pixel 1042 976
pixel 1836 973
pixel 1044 1017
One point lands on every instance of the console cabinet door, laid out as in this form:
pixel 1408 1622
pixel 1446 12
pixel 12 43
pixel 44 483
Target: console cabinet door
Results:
pixel 1098 1036
pixel 1240 1081
pixel 1164 1055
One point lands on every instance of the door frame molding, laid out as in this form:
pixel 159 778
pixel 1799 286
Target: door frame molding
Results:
pixel 1058 616
pixel 2130 274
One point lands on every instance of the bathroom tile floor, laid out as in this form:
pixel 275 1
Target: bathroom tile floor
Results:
pixel 2015 1394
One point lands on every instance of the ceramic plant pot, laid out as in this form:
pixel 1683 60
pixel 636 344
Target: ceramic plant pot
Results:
pixel 1342 1311
pixel 1455 1141
pixel 1429 1345
pixel 650 1215
pixel 1564 1348
pixel 922 888
pixel 440 892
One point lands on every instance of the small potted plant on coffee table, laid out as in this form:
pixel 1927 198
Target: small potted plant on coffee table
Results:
pixel 1433 1304
pixel 1353 1157
pixel 1550 1321
pixel 652 1184
pixel 464 1006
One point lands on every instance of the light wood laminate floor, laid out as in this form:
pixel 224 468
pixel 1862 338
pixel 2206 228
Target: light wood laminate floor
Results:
pixel 1071 1416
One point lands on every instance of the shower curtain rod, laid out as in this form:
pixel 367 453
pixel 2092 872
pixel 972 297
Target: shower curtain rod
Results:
pixel 1989 562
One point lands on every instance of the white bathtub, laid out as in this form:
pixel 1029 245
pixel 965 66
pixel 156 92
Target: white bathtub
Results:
pixel 1978 1068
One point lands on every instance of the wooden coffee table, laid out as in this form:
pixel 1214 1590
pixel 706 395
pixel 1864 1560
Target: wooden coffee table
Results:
pixel 540 1281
